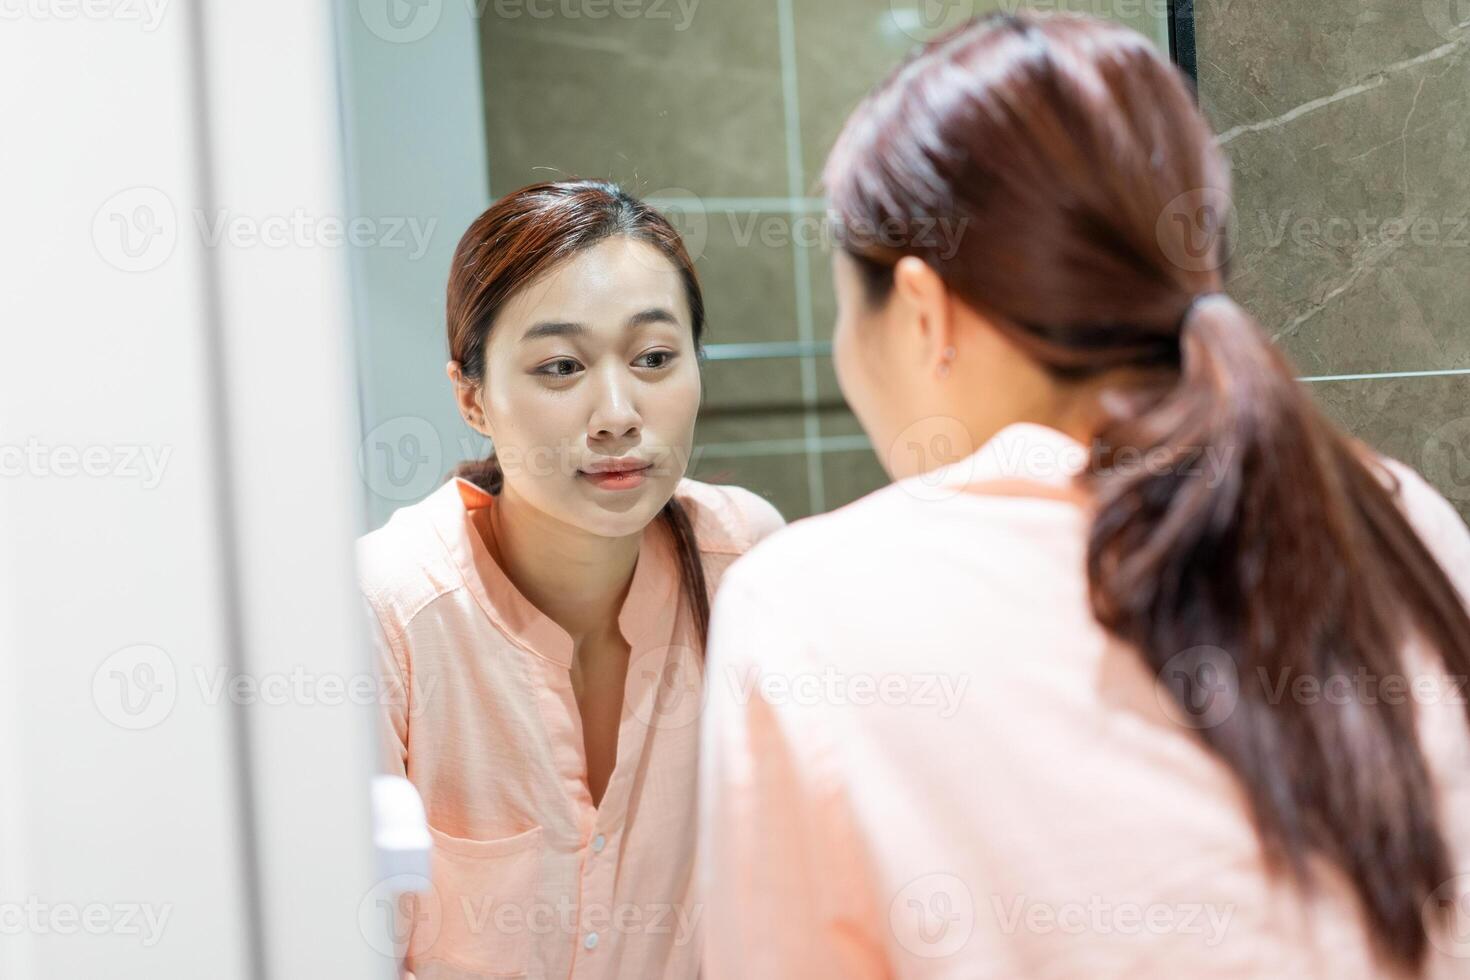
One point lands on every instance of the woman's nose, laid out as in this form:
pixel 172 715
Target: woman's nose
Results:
pixel 615 415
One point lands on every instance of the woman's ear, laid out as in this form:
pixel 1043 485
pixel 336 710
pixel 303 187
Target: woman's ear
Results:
pixel 923 293
pixel 467 397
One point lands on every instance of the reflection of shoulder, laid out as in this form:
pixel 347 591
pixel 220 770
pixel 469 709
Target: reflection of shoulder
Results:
pixel 402 566
pixel 847 545
pixel 727 519
pixel 1437 522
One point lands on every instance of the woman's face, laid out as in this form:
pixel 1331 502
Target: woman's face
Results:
pixel 591 388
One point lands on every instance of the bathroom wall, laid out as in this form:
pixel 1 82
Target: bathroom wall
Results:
pixel 415 157
pixel 1347 127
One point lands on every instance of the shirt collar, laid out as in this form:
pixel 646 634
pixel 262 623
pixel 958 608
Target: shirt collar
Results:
pixel 1020 451
pixel 648 611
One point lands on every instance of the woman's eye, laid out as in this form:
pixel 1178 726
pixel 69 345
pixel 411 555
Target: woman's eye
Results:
pixel 655 358
pixel 562 367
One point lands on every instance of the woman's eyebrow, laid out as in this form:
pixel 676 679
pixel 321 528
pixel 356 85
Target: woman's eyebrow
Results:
pixel 656 314
pixel 553 328
pixel 566 328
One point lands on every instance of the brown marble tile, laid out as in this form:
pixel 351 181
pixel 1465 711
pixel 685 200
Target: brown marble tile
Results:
pixel 824 297
pixel 756 423
pixel 1260 60
pixel 1422 422
pixel 845 47
pixel 1347 132
pixel 779 476
pixel 658 100
pixel 832 410
pixel 746 267
pixel 850 475
pixel 767 384
pixel 781 479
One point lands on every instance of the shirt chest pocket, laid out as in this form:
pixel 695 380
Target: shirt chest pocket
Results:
pixel 475 921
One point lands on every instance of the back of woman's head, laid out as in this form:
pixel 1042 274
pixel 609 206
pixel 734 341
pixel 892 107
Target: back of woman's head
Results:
pixel 1094 202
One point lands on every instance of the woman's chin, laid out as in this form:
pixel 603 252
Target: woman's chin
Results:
pixel 621 513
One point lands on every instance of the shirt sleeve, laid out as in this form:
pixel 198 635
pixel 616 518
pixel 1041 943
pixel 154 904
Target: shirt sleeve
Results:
pixel 393 711
pixel 393 697
pixel 760 515
pixel 779 859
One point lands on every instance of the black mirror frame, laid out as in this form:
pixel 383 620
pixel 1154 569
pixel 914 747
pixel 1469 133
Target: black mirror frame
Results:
pixel 1181 38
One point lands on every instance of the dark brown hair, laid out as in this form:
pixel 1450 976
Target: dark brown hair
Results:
pixel 1086 179
pixel 520 238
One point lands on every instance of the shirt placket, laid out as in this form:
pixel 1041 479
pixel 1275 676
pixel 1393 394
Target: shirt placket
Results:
pixel 597 913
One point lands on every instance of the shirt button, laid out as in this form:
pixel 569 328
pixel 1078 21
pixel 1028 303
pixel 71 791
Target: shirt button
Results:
pixel 591 941
pixel 598 843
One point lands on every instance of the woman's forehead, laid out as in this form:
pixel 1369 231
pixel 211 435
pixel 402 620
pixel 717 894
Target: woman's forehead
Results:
pixel 601 288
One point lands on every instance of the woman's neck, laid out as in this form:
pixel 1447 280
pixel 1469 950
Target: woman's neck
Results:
pixel 577 579
pixel 1079 409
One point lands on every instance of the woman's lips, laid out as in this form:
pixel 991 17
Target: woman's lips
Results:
pixel 619 480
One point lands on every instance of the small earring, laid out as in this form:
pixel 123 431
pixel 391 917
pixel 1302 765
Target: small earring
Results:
pixel 949 355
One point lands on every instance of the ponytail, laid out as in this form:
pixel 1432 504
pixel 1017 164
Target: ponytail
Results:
pixel 1261 545
pixel 483 473
pixel 691 567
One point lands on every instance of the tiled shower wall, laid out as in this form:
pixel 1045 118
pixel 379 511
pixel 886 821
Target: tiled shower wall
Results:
pixel 1347 127
pixel 1345 120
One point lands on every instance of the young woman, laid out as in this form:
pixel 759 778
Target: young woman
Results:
pixel 1166 678
pixel 541 617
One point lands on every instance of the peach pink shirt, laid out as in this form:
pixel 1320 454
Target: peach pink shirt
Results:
pixel 923 758
pixel 528 877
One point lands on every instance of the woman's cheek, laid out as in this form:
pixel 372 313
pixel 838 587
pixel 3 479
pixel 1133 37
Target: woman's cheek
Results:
pixel 539 443
pixel 685 416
